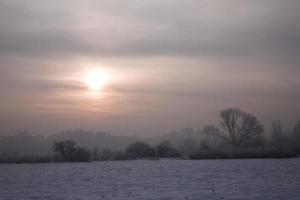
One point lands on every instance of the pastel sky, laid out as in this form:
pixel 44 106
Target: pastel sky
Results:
pixel 171 63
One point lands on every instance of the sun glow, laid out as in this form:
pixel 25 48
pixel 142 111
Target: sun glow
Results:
pixel 96 80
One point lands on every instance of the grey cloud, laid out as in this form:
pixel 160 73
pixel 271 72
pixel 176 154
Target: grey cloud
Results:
pixel 38 86
pixel 237 52
pixel 238 29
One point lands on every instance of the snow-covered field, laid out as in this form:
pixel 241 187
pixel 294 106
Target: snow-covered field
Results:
pixel 164 179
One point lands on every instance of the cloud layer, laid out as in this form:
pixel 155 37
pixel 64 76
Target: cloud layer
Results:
pixel 171 59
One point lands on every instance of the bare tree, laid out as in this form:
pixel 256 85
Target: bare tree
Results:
pixel 211 136
pixel 279 138
pixel 241 126
pixel 277 135
pixel 296 130
pixel 296 137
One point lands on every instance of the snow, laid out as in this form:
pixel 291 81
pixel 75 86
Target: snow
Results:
pixel 163 179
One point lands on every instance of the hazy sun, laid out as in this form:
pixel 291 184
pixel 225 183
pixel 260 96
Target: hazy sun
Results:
pixel 96 80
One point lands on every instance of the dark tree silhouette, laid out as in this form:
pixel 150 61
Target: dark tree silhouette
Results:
pixel 165 150
pixel 211 137
pixel 241 126
pixel 278 138
pixel 140 150
pixel 95 152
pixel 296 131
pixel 296 137
pixel 68 151
pixel 280 142
pixel 82 155
pixel 64 149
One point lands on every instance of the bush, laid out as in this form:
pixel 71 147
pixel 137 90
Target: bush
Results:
pixel 119 155
pixel 244 153
pixel 140 150
pixel 68 151
pixel 209 154
pixel 81 155
pixel 165 150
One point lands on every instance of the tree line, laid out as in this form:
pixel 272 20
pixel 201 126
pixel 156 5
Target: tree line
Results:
pixel 68 151
pixel 240 135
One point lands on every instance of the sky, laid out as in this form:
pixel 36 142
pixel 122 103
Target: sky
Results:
pixel 169 63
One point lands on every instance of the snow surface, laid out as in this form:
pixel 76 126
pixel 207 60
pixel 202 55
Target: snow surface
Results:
pixel 164 179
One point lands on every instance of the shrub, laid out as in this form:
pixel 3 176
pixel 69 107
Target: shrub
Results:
pixel 68 151
pixel 140 150
pixel 165 150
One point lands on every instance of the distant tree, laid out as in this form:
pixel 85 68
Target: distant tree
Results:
pixel 81 155
pixel 24 144
pixel 119 155
pixel 68 151
pixel 296 137
pixel 211 137
pixel 277 129
pixel 296 131
pixel 105 154
pixel 277 135
pixel 140 150
pixel 187 145
pixel 64 149
pixel 165 150
pixel 280 142
pixel 95 152
pixel 242 127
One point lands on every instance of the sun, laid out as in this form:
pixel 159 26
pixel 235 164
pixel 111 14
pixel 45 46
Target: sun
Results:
pixel 96 80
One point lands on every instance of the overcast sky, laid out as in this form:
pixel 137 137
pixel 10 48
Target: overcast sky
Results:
pixel 171 63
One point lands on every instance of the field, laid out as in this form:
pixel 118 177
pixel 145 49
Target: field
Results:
pixel 157 179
